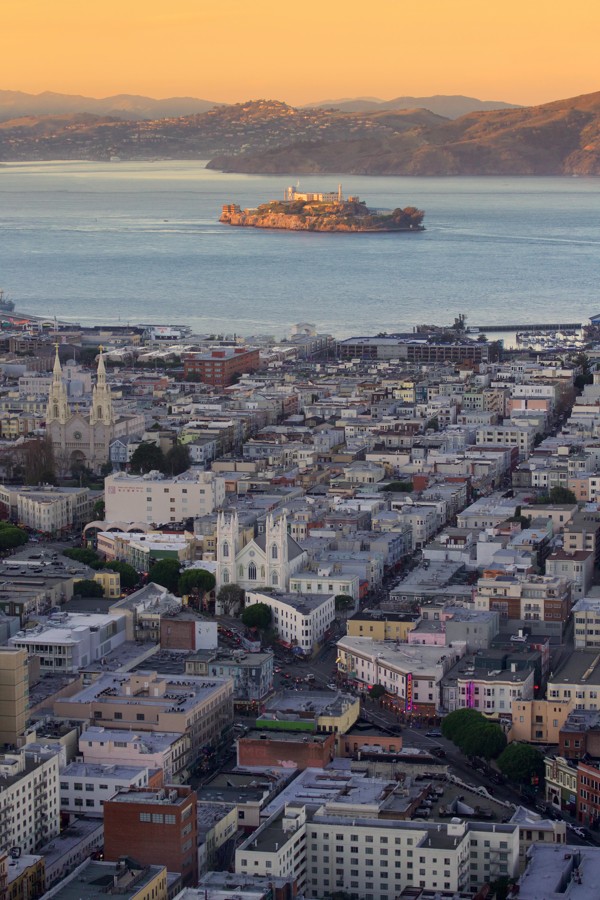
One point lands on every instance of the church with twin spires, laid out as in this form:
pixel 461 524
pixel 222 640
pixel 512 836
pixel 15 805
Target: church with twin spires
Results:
pixel 84 438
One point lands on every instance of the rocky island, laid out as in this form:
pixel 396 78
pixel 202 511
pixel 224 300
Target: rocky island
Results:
pixel 323 212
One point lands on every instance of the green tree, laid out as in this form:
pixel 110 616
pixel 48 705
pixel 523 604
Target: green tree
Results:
pixel 457 722
pixel 559 494
pixel 257 615
pixel 521 763
pixel 129 576
pixel 88 588
pixel 85 556
pixel 166 573
pixel 99 510
pixel 433 423
pixel 196 583
pixel 485 739
pixel 377 691
pixel 343 602
pixel 11 536
pixel 178 459
pixel 230 597
pixel 147 457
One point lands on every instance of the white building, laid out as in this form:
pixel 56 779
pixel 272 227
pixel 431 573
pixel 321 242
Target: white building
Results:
pixel 68 642
pixel 586 615
pixel 412 672
pixel 301 621
pixel 154 498
pixel 492 693
pixel 51 509
pixel 325 581
pixel 29 798
pixel 348 847
pixel 84 788
pixel 147 749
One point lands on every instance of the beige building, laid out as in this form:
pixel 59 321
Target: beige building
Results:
pixel 14 694
pixel 105 746
pixel 154 498
pixel 49 509
pixel 538 721
pixel 381 625
pixel 577 681
pixel 146 701
pixel 111 583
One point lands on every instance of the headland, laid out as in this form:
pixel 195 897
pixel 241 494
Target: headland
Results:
pixel 330 212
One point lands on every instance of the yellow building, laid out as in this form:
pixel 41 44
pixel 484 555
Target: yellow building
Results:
pixel 14 694
pixel 538 721
pixel 22 877
pixel 381 626
pixel 111 583
pixel 128 879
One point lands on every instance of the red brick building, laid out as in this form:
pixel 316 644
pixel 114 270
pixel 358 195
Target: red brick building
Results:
pixel 220 367
pixel 154 827
pixel 300 750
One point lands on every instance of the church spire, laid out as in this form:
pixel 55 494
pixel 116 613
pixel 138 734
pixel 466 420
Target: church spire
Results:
pixel 102 410
pixel 57 409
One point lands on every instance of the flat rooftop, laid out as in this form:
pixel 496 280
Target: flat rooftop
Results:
pixel 549 874
pixel 580 667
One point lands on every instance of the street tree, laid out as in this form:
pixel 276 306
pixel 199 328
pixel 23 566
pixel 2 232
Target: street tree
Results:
pixel 196 583
pixel 88 588
pixel 166 573
pixel 147 457
pixel 257 615
pixel 11 536
pixel 521 763
pixel 178 459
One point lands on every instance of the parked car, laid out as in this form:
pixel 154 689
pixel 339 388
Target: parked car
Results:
pixel 433 734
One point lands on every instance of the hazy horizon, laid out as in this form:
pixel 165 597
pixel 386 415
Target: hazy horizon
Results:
pixel 525 54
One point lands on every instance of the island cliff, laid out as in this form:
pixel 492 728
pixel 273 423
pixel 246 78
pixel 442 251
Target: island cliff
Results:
pixel 322 212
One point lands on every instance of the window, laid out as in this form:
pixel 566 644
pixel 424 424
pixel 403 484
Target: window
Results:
pixel 118 715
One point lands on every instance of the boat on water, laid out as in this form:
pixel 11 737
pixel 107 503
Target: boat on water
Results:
pixel 6 305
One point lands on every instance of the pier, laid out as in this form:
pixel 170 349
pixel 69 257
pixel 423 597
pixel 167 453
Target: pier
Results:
pixel 544 326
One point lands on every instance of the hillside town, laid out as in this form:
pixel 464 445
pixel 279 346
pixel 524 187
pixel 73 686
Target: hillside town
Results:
pixel 298 618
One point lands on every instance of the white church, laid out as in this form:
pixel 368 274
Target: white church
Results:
pixel 268 560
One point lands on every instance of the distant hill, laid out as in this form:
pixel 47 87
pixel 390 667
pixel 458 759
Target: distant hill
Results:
pixel 450 106
pixel 271 137
pixel 559 138
pixel 14 104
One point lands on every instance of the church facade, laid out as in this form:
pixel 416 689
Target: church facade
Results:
pixel 266 561
pixel 83 438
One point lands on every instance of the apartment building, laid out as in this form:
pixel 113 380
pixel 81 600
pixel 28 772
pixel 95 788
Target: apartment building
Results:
pixel 14 694
pixel 326 580
pixel 543 599
pixel 155 498
pixel 49 510
pixel 493 692
pixel 301 620
pixel 575 566
pixel 380 625
pixel 538 721
pixel 29 798
pixel 221 367
pixel 154 826
pixel 85 788
pixel 586 616
pixel 168 751
pixel 374 858
pixel 252 673
pixel 68 642
pixel 410 672
pixel 201 708
pixel 577 681
pixel 126 879
pixel 520 436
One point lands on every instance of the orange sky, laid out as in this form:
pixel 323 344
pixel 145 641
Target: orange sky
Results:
pixel 522 51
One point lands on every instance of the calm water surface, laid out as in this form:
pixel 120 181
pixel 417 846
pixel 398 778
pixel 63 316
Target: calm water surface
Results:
pixel 141 242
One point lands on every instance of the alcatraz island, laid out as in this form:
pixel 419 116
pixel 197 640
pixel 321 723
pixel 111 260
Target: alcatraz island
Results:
pixel 328 211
